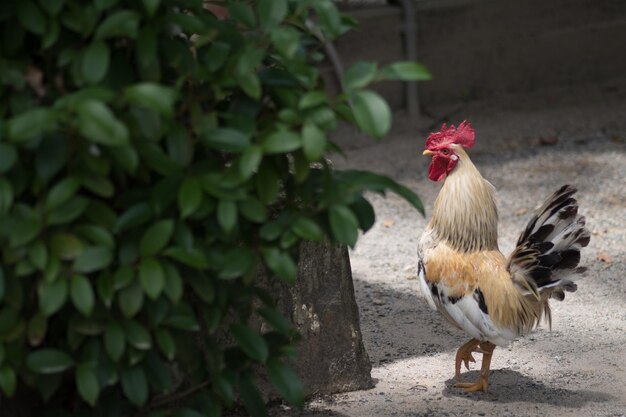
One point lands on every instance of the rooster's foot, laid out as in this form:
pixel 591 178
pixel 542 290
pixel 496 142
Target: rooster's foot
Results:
pixel 481 385
pixel 464 355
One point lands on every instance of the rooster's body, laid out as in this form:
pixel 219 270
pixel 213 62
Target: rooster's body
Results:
pixel 461 270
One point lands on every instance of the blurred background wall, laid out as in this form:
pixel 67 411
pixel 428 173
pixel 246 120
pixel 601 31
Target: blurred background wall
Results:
pixel 479 49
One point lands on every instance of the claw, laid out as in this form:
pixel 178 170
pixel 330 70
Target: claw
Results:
pixel 467 360
pixel 464 355
pixel 480 385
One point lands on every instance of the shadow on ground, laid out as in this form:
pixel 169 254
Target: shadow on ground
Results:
pixel 398 324
pixel 508 386
pixel 277 412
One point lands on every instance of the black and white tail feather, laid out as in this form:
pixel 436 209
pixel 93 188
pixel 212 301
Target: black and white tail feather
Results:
pixel 548 251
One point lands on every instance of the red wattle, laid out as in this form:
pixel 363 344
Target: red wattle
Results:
pixel 437 169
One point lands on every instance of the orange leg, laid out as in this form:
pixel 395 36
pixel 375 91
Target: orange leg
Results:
pixel 464 354
pixel 483 380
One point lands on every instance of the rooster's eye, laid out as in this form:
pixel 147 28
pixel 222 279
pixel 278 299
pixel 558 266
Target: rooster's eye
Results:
pixel 445 151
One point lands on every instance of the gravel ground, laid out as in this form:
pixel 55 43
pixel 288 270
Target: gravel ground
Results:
pixel 527 147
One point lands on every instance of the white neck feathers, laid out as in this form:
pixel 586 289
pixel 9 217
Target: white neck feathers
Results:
pixel 465 213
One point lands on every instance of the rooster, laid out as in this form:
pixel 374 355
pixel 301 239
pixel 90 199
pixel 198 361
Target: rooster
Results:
pixel 464 275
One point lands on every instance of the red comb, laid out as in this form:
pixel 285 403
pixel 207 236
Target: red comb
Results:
pixel 463 135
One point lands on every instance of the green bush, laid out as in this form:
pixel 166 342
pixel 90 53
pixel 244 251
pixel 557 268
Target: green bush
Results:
pixel 152 157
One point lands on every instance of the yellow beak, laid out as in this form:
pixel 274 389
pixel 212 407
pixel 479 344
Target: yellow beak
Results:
pixel 427 152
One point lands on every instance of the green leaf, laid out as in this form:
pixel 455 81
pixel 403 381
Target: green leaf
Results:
pixel 92 259
pixel 276 320
pixel 359 75
pixel 8 380
pixel 166 343
pixel 227 215
pixel 153 96
pixel 49 361
pixel 253 210
pixel 156 237
pixel 126 156
pixel 189 197
pixel 329 18
pixel 8 156
pixel 250 342
pixel 53 7
pixel 343 224
pixel 242 12
pixel 250 160
pixel 307 229
pixel 226 139
pixel 130 299
pixel 31 123
pixel 82 295
pixel 271 13
pixel 68 211
pixel 31 17
pixel 97 235
pixel 364 180
pixel 135 385
pixel 137 335
pixel 186 412
pixel 52 269
pixel 151 6
pixel 52 34
pixel 250 84
pixel 183 318
pixel 280 263
pixel 254 403
pixel 52 296
pixel 123 277
pixel 134 216
pixel 38 255
pixel 364 212
pixel 146 47
pixel 371 112
pixel 105 289
pixel 173 283
pixel 313 142
pixel 121 23
pixel 61 192
pixel 66 246
pixel 236 263
pixel 3 287
pixel 9 319
pixel 406 71
pixel 97 123
pixel 6 196
pixel 87 383
pixel 50 156
pixel 95 62
pixel 37 328
pixel 312 99
pixel 24 226
pixel 99 185
pixel 224 389
pixel 151 277
pixel 281 141
pixel 286 40
pixel 286 381
pixel 202 286
pixel 267 184
pixel 114 341
pixel 190 257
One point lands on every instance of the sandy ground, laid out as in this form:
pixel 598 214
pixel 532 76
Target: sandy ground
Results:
pixel 527 147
